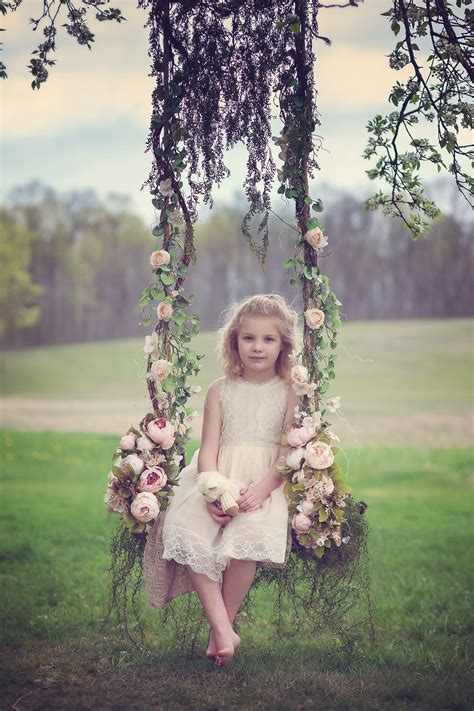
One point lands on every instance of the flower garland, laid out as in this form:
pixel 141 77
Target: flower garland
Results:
pixel 315 489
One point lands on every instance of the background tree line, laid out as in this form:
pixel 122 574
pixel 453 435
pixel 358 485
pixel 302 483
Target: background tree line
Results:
pixel 73 266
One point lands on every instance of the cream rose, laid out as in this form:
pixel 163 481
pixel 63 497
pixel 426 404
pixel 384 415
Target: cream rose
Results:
pixel 153 479
pixel 174 218
pixel 164 311
pixel 319 455
pixel 133 462
pixel 316 238
pixel 145 507
pixel 299 374
pixel 165 187
pixel 293 458
pixel 144 444
pixel 305 507
pixel 334 403
pixel 314 318
pixel 159 258
pixel 128 442
pixel 161 369
pixel 301 523
pixel 162 432
pixel 151 344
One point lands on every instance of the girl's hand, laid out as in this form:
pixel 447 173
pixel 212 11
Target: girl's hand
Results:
pixel 215 509
pixel 251 498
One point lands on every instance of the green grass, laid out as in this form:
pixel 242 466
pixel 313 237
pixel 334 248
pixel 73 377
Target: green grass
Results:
pixel 53 566
pixel 395 366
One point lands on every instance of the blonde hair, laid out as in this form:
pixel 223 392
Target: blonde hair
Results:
pixel 258 305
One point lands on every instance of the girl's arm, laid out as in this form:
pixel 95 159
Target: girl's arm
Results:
pixel 211 429
pixel 255 494
pixel 210 442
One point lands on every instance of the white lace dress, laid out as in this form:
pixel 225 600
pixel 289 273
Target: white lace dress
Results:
pixel 252 426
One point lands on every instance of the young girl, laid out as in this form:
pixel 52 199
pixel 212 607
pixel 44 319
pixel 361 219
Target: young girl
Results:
pixel 195 546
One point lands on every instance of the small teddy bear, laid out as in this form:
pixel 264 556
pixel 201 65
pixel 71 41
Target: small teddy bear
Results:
pixel 215 486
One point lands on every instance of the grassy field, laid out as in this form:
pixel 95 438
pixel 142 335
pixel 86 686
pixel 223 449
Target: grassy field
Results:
pixel 54 558
pixel 399 363
pixel 403 383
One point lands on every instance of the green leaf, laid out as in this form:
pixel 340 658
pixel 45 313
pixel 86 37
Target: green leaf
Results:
pixel 168 385
pixel 158 230
pixel 323 516
pixel 289 263
pixel 157 293
pixel 395 27
pixel 313 222
pixel 318 206
pixel 167 279
pixel 295 28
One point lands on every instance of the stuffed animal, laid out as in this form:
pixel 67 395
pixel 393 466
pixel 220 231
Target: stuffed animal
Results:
pixel 215 486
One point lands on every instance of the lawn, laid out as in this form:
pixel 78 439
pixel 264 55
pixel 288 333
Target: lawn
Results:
pixel 54 557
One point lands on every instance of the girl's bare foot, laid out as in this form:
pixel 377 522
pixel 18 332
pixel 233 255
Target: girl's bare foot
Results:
pixel 211 651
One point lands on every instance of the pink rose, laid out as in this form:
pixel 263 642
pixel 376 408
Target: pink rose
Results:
pixel 127 442
pixel 301 523
pixel 299 434
pixel 319 455
pixel 164 311
pixel 162 432
pixel 145 506
pixel 152 479
pixel 316 238
pixel 161 369
pixel 144 444
pixel 314 318
pixel 159 258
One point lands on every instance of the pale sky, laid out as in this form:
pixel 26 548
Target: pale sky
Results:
pixel 87 126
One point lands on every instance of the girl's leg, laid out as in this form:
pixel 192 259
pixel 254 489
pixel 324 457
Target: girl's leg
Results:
pixel 238 578
pixel 210 595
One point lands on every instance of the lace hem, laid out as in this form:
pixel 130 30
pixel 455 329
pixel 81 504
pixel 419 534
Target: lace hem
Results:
pixel 267 545
pixel 186 547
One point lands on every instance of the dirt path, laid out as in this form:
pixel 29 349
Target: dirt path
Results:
pixel 423 429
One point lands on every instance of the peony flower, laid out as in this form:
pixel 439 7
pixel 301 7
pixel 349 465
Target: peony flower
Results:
pixel 115 501
pixel 299 435
pixel 294 457
pixel 128 442
pixel 195 389
pixel 334 403
pixel 301 523
pixel 144 444
pixel 314 318
pixel 319 455
pixel 164 311
pixel 165 188
pixel 161 369
pixel 162 432
pixel 153 479
pixel 316 238
pixel 174 218
pixel 145 506
pixel 151 344
pixel 159 258
pixel 133 462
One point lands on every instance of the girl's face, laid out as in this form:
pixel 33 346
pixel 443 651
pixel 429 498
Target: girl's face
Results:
pixel 259 344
